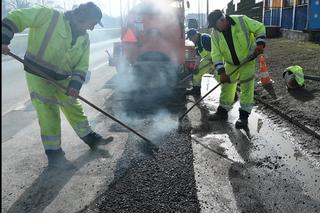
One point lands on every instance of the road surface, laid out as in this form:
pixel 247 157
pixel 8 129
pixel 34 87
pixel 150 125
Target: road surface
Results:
pixel 207 167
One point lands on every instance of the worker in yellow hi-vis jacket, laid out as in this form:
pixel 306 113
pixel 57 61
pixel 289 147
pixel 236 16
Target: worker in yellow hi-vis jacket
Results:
pixel 202 42
pixel 58 45
pixel 233 39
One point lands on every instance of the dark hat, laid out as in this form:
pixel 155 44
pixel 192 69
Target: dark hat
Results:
pixel 89 10
pixel 191 33
pixel 213 17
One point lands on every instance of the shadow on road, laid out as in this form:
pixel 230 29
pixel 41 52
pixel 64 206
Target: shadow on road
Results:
pixel 49 183
pixel 270 89
pixel 303 94
pixel 256 186
pixel 204 126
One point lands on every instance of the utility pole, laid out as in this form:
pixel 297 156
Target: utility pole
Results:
pixel 199 12
pixel 207 8
pixel 121 14
pixel 3 9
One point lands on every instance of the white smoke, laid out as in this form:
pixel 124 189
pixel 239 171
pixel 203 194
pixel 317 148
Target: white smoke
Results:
pixel 149 78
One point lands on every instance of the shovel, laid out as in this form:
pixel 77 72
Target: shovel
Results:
pixel 150 147
pixel 312 77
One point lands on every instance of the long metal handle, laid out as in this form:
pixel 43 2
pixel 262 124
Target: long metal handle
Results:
pixel 312 77
pixel 46 77
pixel 251 57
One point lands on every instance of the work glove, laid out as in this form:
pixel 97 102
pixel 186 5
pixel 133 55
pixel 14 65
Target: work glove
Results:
pixel 259 49
pixel 72 92
pixel 5 49
pixel 224 78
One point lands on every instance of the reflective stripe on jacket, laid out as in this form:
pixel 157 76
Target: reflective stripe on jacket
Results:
pixel 246 32
pixel 205 54
pixel 49 44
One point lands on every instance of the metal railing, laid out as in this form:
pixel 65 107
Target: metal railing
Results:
pixel 293 17
pixel 19 42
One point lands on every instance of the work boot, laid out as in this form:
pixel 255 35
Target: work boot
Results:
pixel 194 91
pixel 242 122
pixel 93 139
pixel 57 160
pixel 219 115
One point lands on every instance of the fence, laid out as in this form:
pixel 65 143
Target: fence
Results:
pixel 288 18
pixel 248 8
pixel 19 42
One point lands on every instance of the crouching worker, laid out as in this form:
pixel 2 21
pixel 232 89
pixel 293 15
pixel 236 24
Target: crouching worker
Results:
pixel 294 77
pixel 58 45
pixel 234 39
pixel 203 63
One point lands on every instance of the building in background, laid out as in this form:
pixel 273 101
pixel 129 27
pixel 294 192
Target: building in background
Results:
pixel 250 8
pixel 200 17
pixel 293 19
pixel 297 19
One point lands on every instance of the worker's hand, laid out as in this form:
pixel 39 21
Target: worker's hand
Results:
pixel 224 78
pixel 73 92
pixel 259 50
pixel 5 49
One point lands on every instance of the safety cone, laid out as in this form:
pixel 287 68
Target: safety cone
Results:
pixel 264 76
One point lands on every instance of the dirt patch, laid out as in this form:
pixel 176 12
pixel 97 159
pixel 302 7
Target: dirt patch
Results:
pixel 302 105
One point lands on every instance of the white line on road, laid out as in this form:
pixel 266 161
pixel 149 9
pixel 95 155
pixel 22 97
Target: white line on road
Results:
pixel 99 66
pixel 18 106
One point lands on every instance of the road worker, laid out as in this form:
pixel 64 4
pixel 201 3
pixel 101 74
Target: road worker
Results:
pixel 58 45
pixel 233 39
pixel 203 62
pixel 294 77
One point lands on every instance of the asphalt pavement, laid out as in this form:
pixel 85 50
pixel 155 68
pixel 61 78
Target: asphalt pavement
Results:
pixel 202 166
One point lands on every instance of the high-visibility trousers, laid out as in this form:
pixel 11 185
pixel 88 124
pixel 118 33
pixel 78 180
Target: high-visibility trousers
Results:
pixel 47 99
pixel 245 77
pixel 204 67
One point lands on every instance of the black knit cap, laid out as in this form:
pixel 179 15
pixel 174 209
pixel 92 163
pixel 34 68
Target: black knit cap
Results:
pixel 89 10
pixel 213 17
pixel 191 33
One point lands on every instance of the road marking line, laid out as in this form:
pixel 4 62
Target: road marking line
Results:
pixel 18 106
pixel 99 66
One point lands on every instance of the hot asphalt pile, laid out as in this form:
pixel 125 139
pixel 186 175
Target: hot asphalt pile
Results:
pixel 144 184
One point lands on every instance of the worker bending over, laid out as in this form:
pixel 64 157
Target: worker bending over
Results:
pixel 233 39
pixel 58 45
pixel 294 77
pixel 203 63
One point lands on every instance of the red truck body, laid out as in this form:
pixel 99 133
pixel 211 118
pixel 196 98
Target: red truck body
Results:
pixel 154 27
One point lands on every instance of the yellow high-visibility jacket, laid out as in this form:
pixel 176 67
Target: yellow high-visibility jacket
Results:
pixel 49 44
pixel 298 74
pixel 205 54
pixel 246 33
